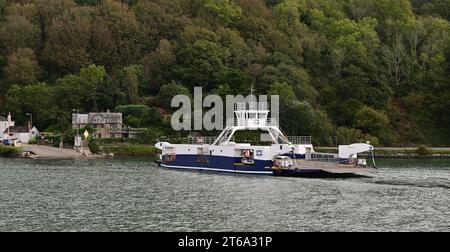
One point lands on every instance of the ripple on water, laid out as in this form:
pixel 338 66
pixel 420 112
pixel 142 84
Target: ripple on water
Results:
pixel 134 195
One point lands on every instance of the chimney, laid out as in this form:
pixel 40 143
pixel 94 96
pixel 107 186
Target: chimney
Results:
pixel 9 117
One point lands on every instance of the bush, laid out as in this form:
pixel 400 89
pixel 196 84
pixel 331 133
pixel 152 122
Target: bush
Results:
pixel 8 150
pixel 423 151
pixel 94 147
pixel 350 136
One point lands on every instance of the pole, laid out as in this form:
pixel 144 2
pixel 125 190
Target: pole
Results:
pixel 78 130
pixel 30 124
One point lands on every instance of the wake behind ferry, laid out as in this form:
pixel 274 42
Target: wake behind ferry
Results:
pixel 285 156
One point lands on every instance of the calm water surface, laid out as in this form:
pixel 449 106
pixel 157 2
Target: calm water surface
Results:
pixel 135 195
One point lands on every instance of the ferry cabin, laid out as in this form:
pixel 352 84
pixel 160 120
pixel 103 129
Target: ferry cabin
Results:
pixel 231 157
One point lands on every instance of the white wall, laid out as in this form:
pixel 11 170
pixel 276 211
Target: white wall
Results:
pixel 4 126
pixel 24 137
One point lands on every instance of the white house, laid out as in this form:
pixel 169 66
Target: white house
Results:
pixel 21 133
pixel 5 123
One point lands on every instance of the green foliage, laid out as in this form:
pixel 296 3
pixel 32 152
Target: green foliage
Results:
pixel 35 99
pixel 19 32
pixel 201 63
pixel 6 151
pixel 285 91
pixel 371 121
pixel 349 136
pixel 226 10
pixel 378 67
pixel 22 68
pixel 151 135
pixel 168 91
pixel 423 151
pixel 139 116
pixel 94 147
pixel 131 82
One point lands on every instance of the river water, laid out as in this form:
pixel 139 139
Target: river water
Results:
pixel 135 195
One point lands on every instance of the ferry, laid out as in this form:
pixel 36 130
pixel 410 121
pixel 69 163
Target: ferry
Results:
pixel 282 156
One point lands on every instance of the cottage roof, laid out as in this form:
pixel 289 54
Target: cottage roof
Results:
pixel 97 118
pixel 18 129
pixel 3 119
pixel 80 118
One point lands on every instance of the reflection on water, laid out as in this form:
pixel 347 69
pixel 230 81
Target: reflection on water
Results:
pixel 135 195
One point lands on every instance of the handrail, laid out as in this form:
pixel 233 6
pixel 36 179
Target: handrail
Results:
pixel 206 140
pixel 300 139
pixel 254 122
pixel 243 106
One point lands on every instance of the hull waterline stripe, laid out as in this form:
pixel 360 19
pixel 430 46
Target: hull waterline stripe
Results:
pixel 219 170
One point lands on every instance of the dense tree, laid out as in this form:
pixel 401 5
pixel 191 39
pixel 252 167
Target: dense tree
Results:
pixel 201 63
pixel 374 70
pixel 139 116
pixel 67 41
pixel 157 66
pixel 34 99
pixel 22 68
pixel 348 136
pixel 131 82
pixel 168 91
pixel 18 32
pixel 371 121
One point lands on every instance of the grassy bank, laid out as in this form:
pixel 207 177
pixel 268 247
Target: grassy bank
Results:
pixel 130 150
pixel 6 151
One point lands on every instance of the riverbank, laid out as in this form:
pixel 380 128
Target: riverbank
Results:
pixel 7 151
pixel 382 152
pixel 400 152
pixel 151 151
pixel 47 152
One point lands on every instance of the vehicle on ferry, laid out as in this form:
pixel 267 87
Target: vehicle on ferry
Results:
pixel 284 156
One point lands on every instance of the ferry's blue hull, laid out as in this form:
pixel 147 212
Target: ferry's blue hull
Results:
pixel 231 165
pixel 218 163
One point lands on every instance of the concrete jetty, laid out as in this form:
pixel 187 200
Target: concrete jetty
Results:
pixel 46 152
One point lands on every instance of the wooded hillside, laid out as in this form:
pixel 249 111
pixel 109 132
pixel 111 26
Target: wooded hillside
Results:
pixel 375 70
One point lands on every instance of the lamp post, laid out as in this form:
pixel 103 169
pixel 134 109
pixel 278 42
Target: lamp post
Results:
pixel 78 141
pixel 31 121
pixel 78 123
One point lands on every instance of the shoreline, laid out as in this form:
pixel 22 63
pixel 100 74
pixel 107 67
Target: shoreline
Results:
pixel 401 152
pixel 129 151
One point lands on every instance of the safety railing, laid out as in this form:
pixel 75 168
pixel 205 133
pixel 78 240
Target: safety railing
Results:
pixel 300 139
pixel 206 140
pixel 254 122
pixel 243 106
